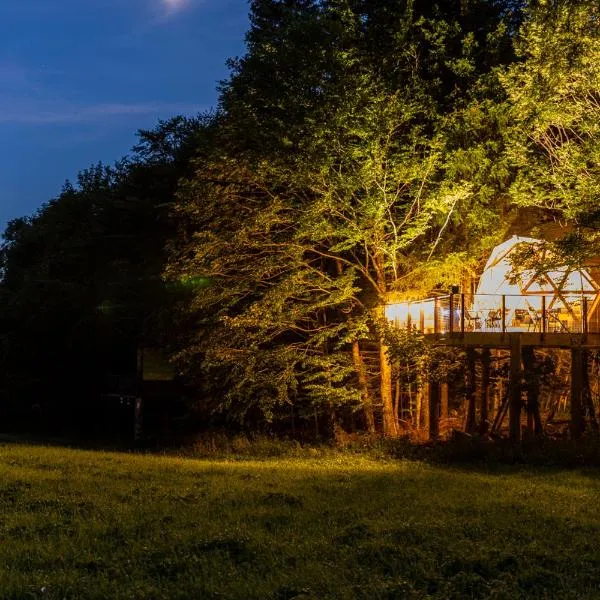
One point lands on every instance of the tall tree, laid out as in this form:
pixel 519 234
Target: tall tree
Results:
pixel 338 184
pixel 555 136
pixel 81 279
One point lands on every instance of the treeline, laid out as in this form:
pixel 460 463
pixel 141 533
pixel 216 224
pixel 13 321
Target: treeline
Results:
pixel 362 150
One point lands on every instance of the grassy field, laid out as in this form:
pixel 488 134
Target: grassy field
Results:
pixel 80 525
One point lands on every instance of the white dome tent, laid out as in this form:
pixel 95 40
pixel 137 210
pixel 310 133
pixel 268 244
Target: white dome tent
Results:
pixel 561 295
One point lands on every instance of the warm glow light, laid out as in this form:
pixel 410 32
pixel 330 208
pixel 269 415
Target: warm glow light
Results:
pixel 396 312
pixel 523 292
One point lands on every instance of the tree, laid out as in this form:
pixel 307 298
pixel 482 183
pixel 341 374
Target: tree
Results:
pixel 81 286
pixel 337 184
pixel 554 141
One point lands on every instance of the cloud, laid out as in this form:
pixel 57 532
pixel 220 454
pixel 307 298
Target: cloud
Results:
pixel 32 114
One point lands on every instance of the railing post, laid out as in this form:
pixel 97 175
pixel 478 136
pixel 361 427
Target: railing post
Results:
pixel 436 320
pixel 544 319
pixel 462 313
pixel 584 314
pixel 503 313
pixel 451 315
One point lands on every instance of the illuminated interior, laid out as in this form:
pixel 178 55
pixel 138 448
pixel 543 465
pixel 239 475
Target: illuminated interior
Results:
pixel 554 301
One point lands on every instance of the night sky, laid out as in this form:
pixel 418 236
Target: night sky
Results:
pixel 79 77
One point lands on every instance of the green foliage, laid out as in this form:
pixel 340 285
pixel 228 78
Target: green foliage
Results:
pixel 555 113
pixel 81 281
pixel 364 151
pixel 358 155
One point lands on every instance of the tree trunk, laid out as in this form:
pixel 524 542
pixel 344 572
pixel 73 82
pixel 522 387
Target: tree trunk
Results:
pixel 363 387
pixel 418 406
pixel 390 428
pixel 434 409
pixel 397 400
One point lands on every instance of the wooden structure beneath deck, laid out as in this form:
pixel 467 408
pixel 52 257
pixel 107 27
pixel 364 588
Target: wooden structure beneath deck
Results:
pixel 519 326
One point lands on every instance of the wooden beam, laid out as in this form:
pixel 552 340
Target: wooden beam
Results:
pixel 496 340
pixel 534 419
pixel 434 410
pixel 470 390
pixel 588 403
pixel 576 392
pixel 444 400
pixel 486 360
pixel 514 388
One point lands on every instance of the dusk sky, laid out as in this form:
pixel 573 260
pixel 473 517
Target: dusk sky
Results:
pixel 79 77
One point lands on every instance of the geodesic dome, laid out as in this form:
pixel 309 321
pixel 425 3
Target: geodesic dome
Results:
pixel 563 288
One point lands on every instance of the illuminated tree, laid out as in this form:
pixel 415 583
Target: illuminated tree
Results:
pixel 554 138
pixel 342 176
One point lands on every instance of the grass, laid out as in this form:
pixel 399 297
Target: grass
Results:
pixel 96 525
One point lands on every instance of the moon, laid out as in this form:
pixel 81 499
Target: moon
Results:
pixel 174 5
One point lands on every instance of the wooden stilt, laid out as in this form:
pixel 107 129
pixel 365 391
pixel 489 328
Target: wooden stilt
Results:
pixel 576 392
pixel 590 411
pixel 534 419
pixel 444 406
pixel 421 391
pixel 515 388
pixel 434 410
pixel 425 406
pixel 486 360
pixel 470 389
pixel 501 414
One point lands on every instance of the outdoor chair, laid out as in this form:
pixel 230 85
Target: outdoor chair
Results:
pixel 493 319
pixel 472 321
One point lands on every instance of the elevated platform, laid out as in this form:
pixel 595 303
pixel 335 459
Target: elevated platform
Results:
pixel 488 339
pixel 491 321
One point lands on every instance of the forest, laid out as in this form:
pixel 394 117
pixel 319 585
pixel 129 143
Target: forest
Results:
pixel 361 151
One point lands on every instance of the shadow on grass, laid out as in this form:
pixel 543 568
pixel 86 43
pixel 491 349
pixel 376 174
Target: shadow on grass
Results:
pixel 342 528
pixel 501 456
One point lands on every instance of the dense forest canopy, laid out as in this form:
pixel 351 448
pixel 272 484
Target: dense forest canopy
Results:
pixel 361 151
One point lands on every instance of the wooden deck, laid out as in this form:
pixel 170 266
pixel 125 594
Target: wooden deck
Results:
pixel 491 321
pixel 487 339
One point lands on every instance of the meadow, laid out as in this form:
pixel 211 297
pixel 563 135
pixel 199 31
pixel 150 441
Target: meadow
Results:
pixel 80 525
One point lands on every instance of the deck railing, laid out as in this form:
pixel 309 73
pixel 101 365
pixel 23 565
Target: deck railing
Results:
pixel 460 313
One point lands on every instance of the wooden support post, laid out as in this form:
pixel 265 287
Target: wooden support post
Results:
pixel 425 400
pixel 576 392
pixel 462 313
pixel 451 313
pixel 434 410
pixel 444 400
pixel 544 316
pixel 422 321
pixel 588 404
pixel 470 389
pixel 436 315
pixel 584 314
pixel 515 388
pixel 532 383
pixel 486 359
pixel 503 313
